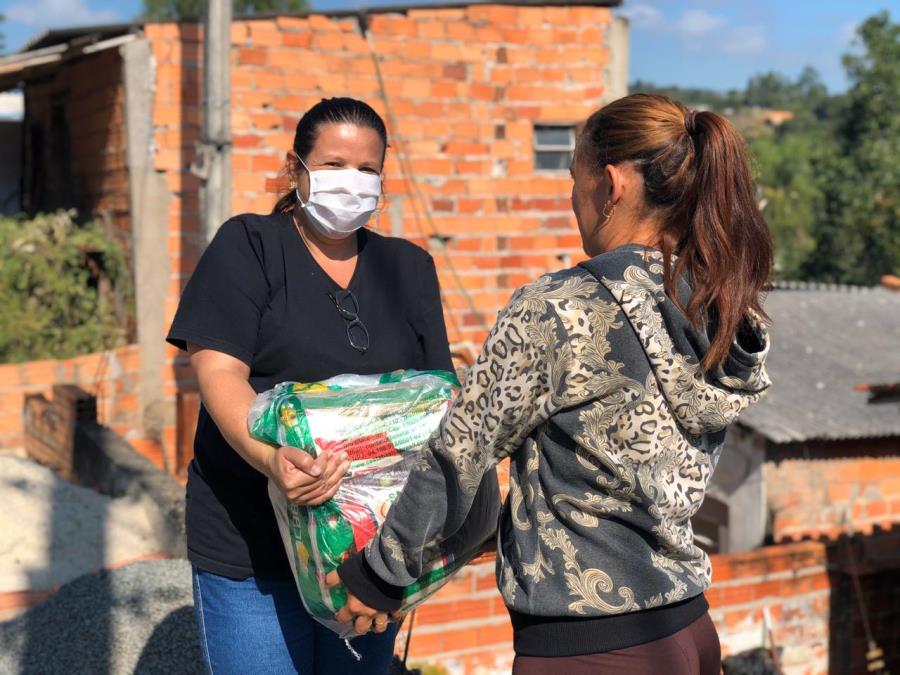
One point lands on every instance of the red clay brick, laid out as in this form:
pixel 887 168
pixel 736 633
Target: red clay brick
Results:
pixel 292 23
pixel 500 14
pixel 246 141
pixel 251 56
pixel 496 635
pixel 303 40
pixel 318 22
pixel 327 42
pixel 426 644
pixel 267 163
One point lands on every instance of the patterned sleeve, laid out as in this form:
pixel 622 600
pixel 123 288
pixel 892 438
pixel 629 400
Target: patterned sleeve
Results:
pixel 517 382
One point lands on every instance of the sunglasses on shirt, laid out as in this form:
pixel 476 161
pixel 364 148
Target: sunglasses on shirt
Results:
pixel 348 307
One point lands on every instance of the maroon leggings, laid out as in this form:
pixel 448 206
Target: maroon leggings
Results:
pixel 691 651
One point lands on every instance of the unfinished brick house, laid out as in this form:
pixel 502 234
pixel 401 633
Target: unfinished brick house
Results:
pixel 481 102
pixel 817 460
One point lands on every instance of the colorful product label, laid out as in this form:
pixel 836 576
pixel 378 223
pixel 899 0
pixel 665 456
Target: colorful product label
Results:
pixel 382 422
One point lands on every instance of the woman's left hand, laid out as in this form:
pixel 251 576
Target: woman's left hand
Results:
pixel 363 617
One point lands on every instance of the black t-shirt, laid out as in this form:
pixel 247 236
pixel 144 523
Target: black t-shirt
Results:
pixel 258 295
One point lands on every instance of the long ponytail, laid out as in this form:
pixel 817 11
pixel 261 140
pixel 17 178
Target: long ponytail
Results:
pixel 697 182
pixel 725 247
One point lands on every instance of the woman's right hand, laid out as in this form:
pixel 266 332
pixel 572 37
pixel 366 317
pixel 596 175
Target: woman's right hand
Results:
pixel 306 480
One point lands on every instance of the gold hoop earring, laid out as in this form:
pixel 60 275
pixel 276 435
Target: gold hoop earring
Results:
pixel 608 210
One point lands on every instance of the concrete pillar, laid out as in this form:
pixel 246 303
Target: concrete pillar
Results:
pixel 739 482
pixel 617 40
pixel 215 148
pixel 149 199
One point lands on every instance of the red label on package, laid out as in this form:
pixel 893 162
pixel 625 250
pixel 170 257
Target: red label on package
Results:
pixel 362 448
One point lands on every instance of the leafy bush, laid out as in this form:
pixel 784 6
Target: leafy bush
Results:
pixel 64 288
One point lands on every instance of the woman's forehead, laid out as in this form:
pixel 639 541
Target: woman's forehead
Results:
pixel 347 137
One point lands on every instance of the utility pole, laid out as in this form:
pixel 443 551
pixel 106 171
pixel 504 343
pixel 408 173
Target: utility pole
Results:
pixel 212 163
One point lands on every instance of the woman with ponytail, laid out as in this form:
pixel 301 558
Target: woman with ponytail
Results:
pixel 610 386
pixel 302 294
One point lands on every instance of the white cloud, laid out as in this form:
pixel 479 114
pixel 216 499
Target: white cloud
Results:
pixel 643 16
pixel 696 23
pixel 700 29
pixel 848 33
pixel 40 14
pixel 741 40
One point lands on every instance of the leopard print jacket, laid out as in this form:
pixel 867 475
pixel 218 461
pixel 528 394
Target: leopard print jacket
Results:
pixel 590 383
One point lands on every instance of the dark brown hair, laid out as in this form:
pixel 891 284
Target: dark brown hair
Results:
pixel 329 111
pixel 698 185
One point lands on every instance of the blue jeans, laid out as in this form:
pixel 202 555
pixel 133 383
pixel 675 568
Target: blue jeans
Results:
pixel 253 626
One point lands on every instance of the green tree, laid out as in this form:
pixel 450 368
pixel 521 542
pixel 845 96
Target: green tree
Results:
pixel 692 96
pixel 161 10
pixel 785 161
pixel 64 288
pixel 768 90
pixel 2 34
pixel 857 224
pixel 804 96
pixel 789 193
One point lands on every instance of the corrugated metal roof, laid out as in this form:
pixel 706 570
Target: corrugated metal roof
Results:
pixel 18 67
pixel 56 36
pixel 826 340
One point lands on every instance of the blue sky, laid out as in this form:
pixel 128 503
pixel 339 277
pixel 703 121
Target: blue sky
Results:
pixel 705 43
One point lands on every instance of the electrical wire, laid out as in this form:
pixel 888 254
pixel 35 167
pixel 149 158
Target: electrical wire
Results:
pixel 417 199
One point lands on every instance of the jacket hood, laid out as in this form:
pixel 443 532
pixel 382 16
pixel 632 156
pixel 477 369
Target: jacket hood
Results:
pixel 702 402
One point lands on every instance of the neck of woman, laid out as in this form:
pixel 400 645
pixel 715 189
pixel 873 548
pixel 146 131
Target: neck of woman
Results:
pixel 321 246
pixel 627 227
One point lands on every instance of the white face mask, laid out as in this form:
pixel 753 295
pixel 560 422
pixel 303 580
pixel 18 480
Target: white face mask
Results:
pixel 340 200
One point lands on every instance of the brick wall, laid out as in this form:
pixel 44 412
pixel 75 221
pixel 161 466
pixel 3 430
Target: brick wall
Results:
pixel 464 627
pixel 809 591
pixel 465 87
pixel 112 376
pixel 792 582
pixel 79 161
pixel 816 489
pixel 50 426
pixel 806 588
pixel 75 156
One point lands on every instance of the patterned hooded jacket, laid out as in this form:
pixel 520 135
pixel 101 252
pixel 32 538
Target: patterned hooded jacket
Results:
pixel 590 382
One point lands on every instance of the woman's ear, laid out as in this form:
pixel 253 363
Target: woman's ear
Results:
pixel 617 182
pixel 291 167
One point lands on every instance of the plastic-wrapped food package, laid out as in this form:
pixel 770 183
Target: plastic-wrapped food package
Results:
pixel 382 422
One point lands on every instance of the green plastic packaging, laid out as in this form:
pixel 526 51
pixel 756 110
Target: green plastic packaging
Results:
pixel 382 422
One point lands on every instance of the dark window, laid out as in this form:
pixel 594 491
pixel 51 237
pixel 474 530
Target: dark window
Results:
pixel 33 186
pixel 553 147
pixel 710 525
pixel 61 153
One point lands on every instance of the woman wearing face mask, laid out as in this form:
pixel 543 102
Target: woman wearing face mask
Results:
pixel 610 386
pixel 303 294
